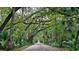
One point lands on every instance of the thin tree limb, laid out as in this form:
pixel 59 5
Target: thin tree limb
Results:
pixel 7 19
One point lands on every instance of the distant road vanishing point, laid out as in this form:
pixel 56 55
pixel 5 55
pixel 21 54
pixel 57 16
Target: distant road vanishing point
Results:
pixel 42 47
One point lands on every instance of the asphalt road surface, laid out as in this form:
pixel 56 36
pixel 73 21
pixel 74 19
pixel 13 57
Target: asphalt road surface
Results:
pixel 42 47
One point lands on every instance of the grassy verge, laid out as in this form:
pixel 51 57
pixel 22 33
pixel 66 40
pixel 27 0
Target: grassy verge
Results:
pixel 20 49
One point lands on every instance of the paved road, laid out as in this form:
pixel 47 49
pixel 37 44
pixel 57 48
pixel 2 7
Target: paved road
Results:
pixel 42 47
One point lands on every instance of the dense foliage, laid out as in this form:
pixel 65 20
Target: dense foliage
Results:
pixel 24 26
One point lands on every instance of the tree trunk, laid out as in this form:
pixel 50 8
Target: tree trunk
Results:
pixel 7 19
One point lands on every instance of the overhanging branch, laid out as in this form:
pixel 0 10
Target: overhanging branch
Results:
pixel 7 19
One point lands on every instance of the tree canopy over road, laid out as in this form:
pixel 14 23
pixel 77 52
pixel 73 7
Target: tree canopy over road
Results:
pixel 53 26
